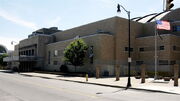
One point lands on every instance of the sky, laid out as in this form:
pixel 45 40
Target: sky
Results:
pixel 19 18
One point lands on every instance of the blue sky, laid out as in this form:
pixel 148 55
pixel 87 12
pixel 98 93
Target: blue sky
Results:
pixel 19 18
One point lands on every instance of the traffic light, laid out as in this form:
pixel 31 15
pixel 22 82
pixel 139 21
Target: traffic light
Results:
pixel 169 4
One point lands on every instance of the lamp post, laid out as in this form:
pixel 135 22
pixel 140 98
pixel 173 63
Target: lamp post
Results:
pixel 12 43
pixel 129 43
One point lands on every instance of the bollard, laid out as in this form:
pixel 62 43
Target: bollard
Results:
pixel 86 77
pixel 117 72
pixel 176 74
pixel 143 75
pixel 97 72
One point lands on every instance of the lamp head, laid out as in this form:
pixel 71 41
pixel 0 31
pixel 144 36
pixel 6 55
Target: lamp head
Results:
pixel 118 8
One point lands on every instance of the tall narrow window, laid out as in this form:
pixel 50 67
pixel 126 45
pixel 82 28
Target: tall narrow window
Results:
pixel 49 56
pixel 55 53
pixel 126 49
pixel 174 47
pixel 26 53
pixel 32 52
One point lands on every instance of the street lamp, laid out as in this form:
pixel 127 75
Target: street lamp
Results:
pixel 129 48
pixel 12 42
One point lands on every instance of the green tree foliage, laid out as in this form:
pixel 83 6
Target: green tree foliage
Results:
pixel 75 52
pixel 1 59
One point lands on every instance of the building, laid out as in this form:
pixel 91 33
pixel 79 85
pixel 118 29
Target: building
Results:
pixel 43 49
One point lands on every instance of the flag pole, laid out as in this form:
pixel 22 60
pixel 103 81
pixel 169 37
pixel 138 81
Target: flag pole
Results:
pixel 159 25
pixel 163 5
pixel 155 53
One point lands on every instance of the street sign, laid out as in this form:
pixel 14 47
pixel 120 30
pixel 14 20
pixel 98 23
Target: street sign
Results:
pixel 129 59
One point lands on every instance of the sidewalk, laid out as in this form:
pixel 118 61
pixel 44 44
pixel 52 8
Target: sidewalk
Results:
pixel 150 85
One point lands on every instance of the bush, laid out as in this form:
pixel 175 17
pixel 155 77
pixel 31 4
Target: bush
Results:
pixel 163 74
pixel 64 68
pixel 167 78
pixel 1 60
pixel 15 69
pixel 1 67
pixel 106 73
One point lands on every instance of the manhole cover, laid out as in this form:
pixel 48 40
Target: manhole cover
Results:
pixel 99 93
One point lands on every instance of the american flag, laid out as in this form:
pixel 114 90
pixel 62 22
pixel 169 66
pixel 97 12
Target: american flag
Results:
pixel 163 25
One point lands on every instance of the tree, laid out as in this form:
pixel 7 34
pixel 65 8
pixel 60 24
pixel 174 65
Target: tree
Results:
pixel 75 52
pixel 1 59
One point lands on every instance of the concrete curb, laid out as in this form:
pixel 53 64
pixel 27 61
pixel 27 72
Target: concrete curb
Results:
pixel 103 84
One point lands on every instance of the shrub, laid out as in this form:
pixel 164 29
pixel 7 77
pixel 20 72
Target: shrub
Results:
pixel 64 68
pixel 1 59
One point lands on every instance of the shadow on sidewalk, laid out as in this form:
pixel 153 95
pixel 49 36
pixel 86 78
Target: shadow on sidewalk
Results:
pixel 62 74
pixel 8 71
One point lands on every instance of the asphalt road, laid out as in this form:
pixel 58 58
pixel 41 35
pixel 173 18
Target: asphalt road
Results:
pixel 15 87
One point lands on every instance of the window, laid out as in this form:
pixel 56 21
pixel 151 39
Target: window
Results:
pixel 127 48
pixel 55 62
pixel 161 48
pixel 172 62
pixel 55 52
pixel 163 62
pixel 174 48
pixel 176 28
pixel 32 52
pixel 131 49
pixel 49 56
pixel 141 49
pixel 60 52
pixel 139 62
pixel 26 52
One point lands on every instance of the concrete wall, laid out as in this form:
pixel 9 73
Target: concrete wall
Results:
pixel 37 43
pixel 88 29
pixel 168 41
pixel 101 54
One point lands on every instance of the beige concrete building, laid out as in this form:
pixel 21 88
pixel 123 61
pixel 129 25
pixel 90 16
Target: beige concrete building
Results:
pixel 43 49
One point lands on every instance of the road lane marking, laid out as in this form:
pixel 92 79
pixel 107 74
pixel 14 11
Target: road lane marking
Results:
pixel 59 89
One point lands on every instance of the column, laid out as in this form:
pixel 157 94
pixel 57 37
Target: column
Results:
pixel 117 70
pixel 97 71
pixel 176 74
pixel 143 75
